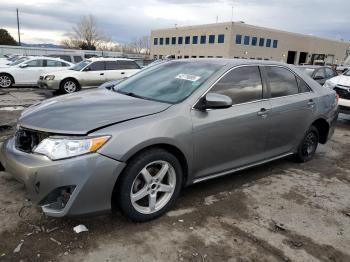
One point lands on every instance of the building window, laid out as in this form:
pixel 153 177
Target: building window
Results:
pixel 254 41
pixel 195 40
pixel 179 40
pixel 203 39
pixel 194 56
pixel 221 39
pixel 201 56
pixel 246 39
pixel 155 41
pixel 275 43
pixel 187 40
pixel 261 41
pixel 186 56
pixel 268 42
pixel 211 39
pixel 167 41
pixel 173 40
pixel 161 40
pixel 238 39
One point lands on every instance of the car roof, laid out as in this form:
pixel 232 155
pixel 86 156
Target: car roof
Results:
pixel 312 66
pixel 48 57
pixel 232 62
pixel 109 59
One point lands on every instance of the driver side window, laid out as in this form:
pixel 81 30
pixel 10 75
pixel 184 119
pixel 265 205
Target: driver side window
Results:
pixel 97 66
pixel 35 63
pixel 242 85
pixel 320 74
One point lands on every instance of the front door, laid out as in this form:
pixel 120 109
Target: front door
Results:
pixel 230 138
pixel 93 75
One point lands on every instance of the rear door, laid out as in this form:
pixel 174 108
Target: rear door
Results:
pixel 229 138
pixel 292 109
pixel 128 67
pixel 54 65
pixel 93 75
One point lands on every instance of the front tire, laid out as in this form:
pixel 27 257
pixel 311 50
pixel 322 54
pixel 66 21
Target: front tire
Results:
pixel 308 145
pixel 6 81
pixel 149 185
pixel 69 86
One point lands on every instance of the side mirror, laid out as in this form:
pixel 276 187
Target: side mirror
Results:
pixel 214 101
pixel 23 65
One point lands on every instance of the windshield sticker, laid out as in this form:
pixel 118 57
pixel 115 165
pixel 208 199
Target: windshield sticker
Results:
pixel 187 77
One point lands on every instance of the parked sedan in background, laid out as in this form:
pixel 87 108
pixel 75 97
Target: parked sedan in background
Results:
pixel 135 147
pixel 89 73
pixel 27 72
pixel 341 84
pixel 319 73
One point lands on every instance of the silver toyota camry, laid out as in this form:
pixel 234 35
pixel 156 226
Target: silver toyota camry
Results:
pixel 135 146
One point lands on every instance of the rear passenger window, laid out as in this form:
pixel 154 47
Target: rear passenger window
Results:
pixel 127 65
pixel 329 73
pixel 112 65
pixel 53 63
pixel 303 87
pixel 282 82
pixel 242 84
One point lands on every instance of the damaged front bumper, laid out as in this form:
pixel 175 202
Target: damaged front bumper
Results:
pixel 69 187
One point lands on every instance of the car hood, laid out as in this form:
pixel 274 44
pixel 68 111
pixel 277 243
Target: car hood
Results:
pixel 341 80
pixel 86 111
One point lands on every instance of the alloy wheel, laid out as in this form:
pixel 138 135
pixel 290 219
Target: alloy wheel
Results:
pixel 153 187
pixel 70 87
pixel 5 81
pixel 310 144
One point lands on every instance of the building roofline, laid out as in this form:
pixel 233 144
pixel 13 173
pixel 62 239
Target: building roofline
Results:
pixel 252 26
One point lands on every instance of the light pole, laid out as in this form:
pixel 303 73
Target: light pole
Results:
pixel 19 34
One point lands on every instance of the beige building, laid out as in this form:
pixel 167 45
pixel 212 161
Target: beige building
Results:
pixel 239 40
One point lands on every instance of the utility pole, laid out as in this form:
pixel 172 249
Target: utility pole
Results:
pixel 19 34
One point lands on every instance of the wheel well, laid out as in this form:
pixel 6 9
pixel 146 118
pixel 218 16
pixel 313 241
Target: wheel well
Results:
pixel 323 129
pixel 70 78
pixel 13 80
pixel 171 149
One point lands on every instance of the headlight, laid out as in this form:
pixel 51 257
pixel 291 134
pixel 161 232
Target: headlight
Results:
pixel 64 147
pixel 49 77
pixel 329 84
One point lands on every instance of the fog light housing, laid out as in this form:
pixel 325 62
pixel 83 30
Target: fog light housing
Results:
pixel 58 198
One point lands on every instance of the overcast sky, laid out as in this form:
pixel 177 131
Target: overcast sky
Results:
pixel 49 21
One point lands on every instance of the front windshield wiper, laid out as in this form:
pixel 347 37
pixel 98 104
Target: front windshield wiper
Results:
pixel 132 94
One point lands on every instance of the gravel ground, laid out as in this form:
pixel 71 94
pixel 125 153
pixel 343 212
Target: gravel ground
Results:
pixel 281 211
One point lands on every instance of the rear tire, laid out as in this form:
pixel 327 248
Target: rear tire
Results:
pixel 6 81
pixel 308 145
pixel 69 86
pixel 149 186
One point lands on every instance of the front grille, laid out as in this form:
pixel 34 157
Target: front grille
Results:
pixel 26 140
pixel 343 93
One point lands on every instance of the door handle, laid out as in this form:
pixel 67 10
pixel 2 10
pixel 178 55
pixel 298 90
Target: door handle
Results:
pixel 101 74
pixel 122 73
pixel 263 112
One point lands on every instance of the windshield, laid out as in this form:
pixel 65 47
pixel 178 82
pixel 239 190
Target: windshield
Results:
pixel 169 82
pixel 80 65
pixel 307 70
pixel 18 61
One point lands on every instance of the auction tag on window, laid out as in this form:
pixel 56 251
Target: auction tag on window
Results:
pixel 187 77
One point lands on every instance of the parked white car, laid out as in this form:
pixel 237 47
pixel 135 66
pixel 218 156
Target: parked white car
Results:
pixel 341 84
pixel 27 72
pixel 89 73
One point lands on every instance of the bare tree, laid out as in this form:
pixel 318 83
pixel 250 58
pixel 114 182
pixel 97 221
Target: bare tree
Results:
pixel 86 34
pixel 141 45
